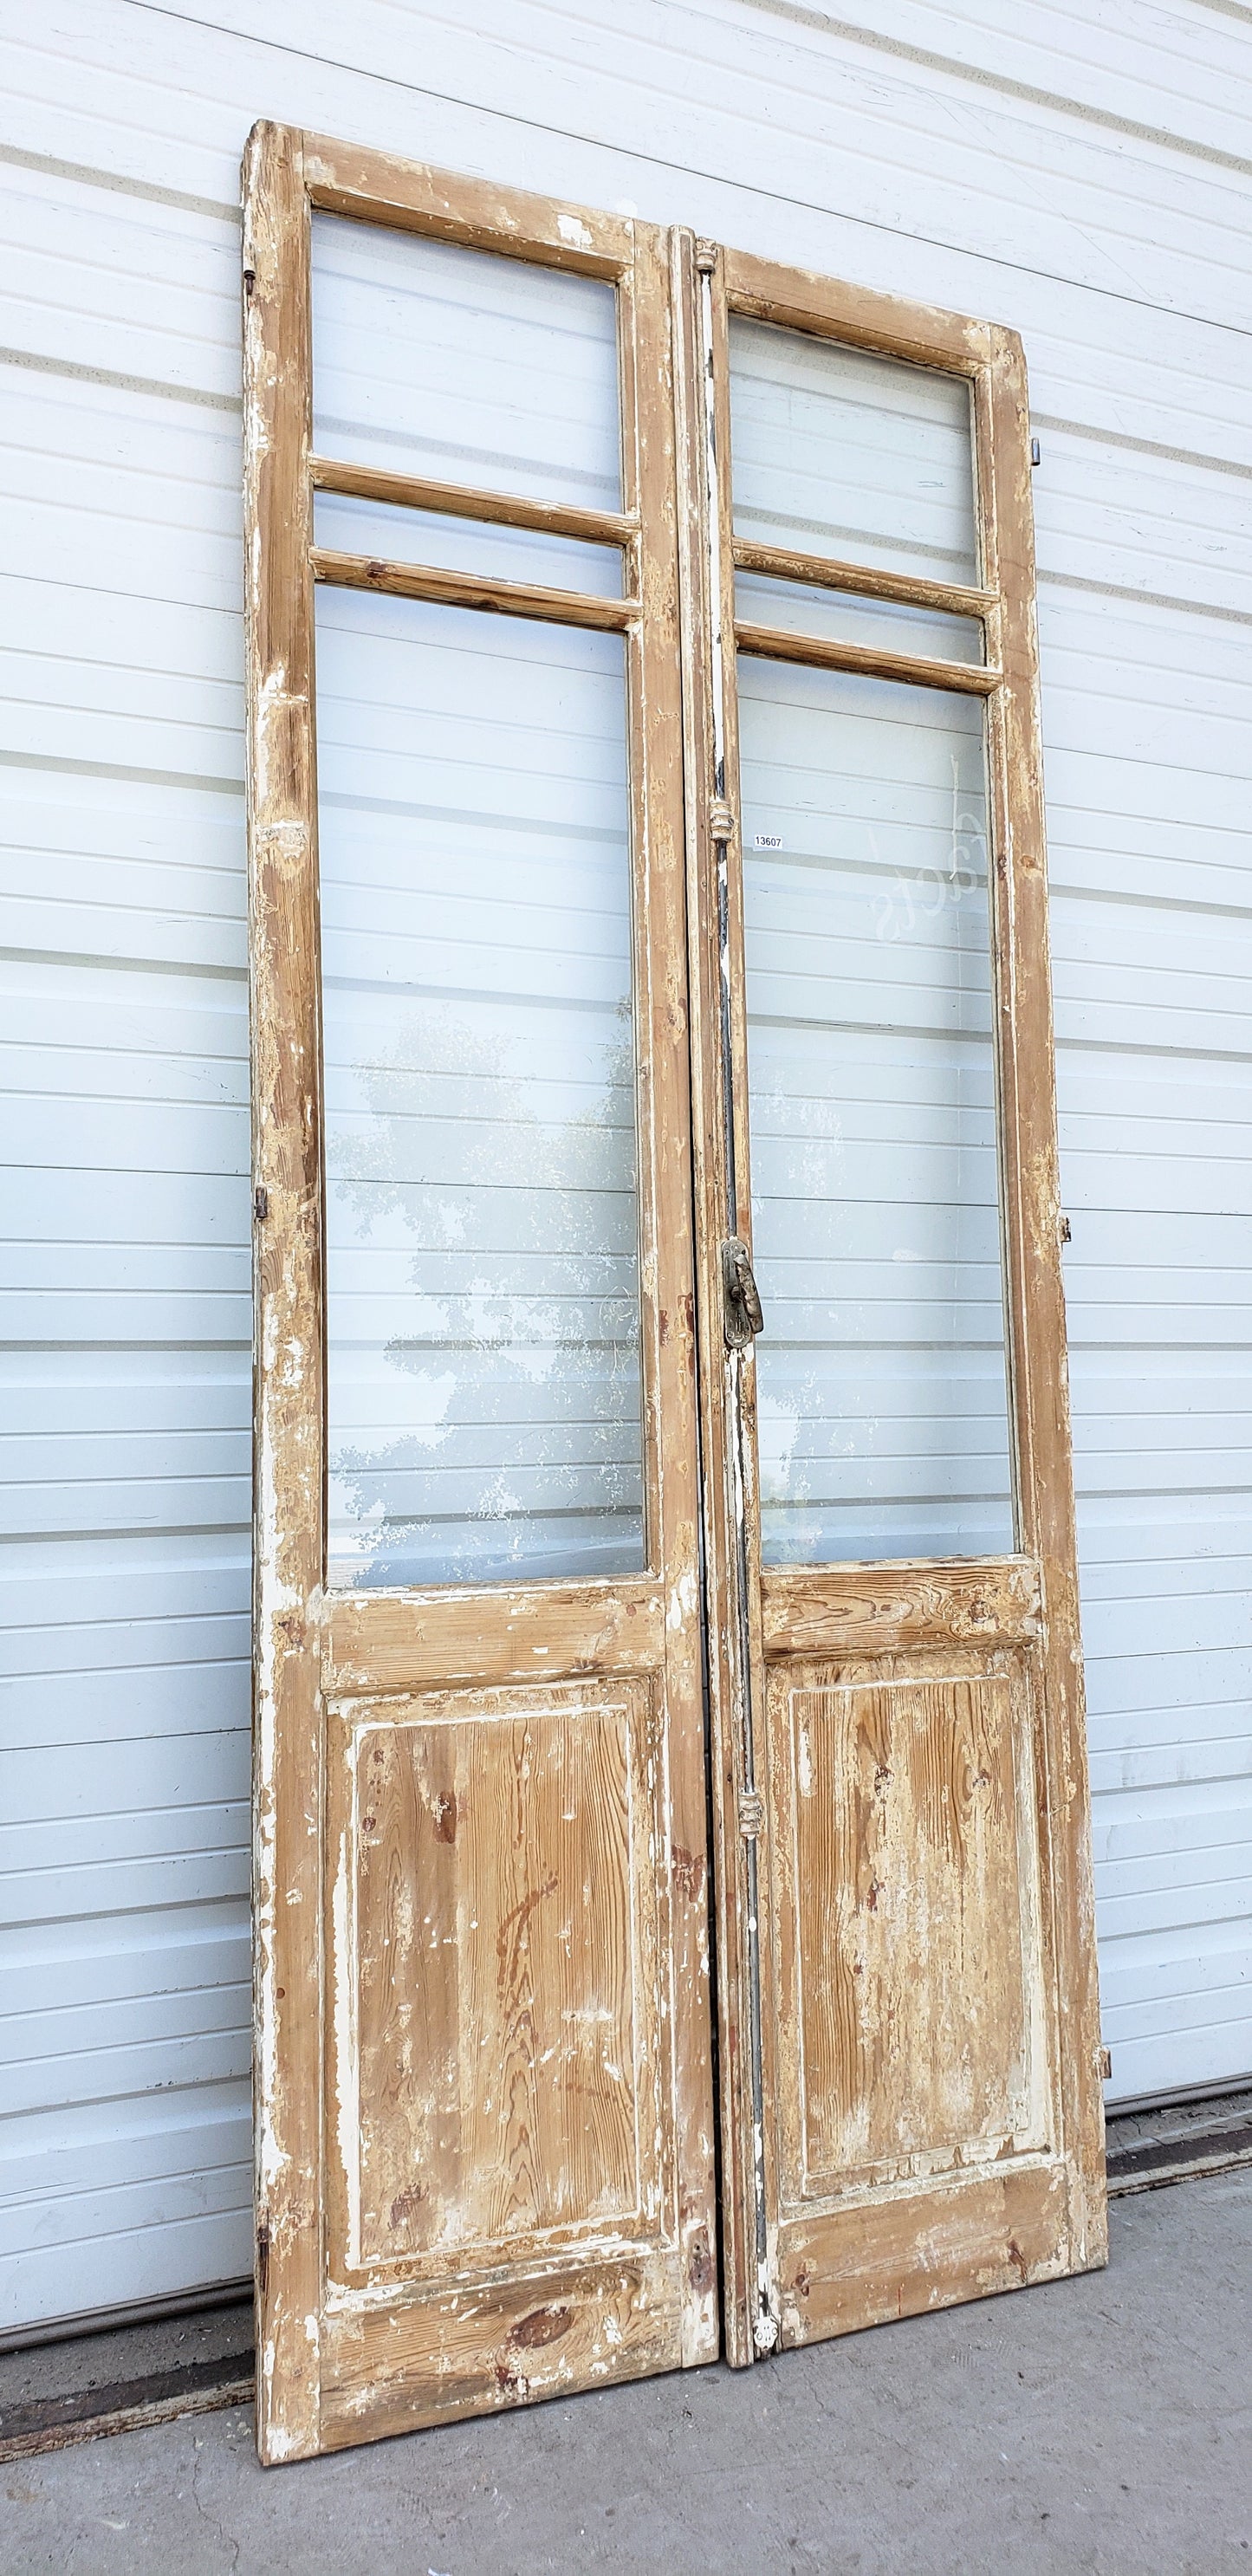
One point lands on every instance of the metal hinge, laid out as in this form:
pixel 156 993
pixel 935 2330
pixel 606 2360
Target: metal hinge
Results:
pixel 741 1306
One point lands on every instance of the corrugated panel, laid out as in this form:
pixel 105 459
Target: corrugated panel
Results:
pixel 1085 177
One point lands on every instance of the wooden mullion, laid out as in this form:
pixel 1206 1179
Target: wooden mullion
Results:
pixel 823 653
pixel 288 1459
pixel 459 501
pixel 470 590
pixel 868 581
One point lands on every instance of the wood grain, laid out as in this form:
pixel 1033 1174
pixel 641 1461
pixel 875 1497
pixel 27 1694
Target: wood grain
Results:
pixel 490 1633
pixel 286 1158
pixel 495 1955
pixel 906 1930
pixel 473 590
pixel 483 1952
pixel 458 501
pixel 810 1609
pixel 827 653
pixel 868 581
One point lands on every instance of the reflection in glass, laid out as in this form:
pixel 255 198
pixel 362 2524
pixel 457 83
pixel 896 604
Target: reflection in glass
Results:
pixel 881 1375
pixel 838 452
pixel 483 1374
pixel 352 527
pixel 803 609
pixel 417 344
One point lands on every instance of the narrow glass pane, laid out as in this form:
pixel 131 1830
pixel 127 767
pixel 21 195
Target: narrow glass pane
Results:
pixel 464 366
pixel 353 527
pixel 801 609
pixel 483 1377
pixel 881 1375
pixel 839 452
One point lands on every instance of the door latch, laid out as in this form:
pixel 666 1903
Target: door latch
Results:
pixel 741 1306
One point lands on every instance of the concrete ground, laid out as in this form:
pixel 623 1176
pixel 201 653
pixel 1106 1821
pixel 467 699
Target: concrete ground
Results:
pixel 1103 2424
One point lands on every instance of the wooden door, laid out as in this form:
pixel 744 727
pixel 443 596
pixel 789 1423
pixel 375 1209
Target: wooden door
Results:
pixel 910 2054
pixel 483 2097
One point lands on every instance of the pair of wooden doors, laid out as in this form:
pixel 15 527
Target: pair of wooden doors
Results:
pixel 673 1921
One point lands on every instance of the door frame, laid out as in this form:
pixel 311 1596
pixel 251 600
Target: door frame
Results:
pixel 1031 1595
pixel 333 2367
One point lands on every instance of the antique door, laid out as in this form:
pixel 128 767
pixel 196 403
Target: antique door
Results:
pixel 910 2054
pixel 483 2090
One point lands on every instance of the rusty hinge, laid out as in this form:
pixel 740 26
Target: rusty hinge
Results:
pixel 741 1306
pixel 262 2258
pixel 1106 2065
pixel 260 1205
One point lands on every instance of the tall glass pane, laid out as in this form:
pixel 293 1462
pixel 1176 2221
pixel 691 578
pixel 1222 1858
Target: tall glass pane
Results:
pixel 463 366
pixel 881 1372
pixel 482 1260
pixel 839 452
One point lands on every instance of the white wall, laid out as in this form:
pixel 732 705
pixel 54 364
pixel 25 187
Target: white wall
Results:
pixel 1077 171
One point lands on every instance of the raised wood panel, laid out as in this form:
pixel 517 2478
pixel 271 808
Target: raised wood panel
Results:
pixel 907 1924
pixel 500 2016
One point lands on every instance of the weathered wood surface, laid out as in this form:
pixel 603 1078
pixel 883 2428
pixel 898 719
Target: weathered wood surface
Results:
pixel 815 1609
pixel 867 581
pixel 827 653
pixel 907 1921
pixel 288 1436
pixel 484 2079
pixel 552 1630
pixel 927 1959
pixel 458 501
pixel 473 590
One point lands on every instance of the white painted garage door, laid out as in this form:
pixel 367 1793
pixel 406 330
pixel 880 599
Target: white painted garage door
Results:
pixel 1081 175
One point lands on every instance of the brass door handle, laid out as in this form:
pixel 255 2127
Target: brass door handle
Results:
pixel 741 1305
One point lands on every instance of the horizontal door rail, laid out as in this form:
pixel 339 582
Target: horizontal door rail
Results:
pixel 778 644
pixel 458 501
pixel 470 590
pixel 829 572
pixel 547 1632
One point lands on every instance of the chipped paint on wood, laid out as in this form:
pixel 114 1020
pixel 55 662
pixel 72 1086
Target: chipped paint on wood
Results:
pixel 483 2094
pixel 961 1867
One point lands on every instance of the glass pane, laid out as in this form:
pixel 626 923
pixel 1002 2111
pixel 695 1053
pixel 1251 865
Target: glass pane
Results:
pixel 802 609
pixel 838 452
pixel 483 1376
pixel 413 341
pixel 880 1373
pixel 354 527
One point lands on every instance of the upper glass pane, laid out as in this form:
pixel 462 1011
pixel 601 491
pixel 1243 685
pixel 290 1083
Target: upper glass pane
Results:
pixel 460 365
pixel 838 452
pixel 353 527
pixel 882 1398
pixel 482 1265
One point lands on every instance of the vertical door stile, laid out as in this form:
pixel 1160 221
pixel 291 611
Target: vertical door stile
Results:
pixel 1038 1341
pixel 288 1444
pixel 648 404
pixel 720 1149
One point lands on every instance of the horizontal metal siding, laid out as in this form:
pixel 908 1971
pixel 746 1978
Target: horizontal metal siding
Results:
pixel 1084 180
